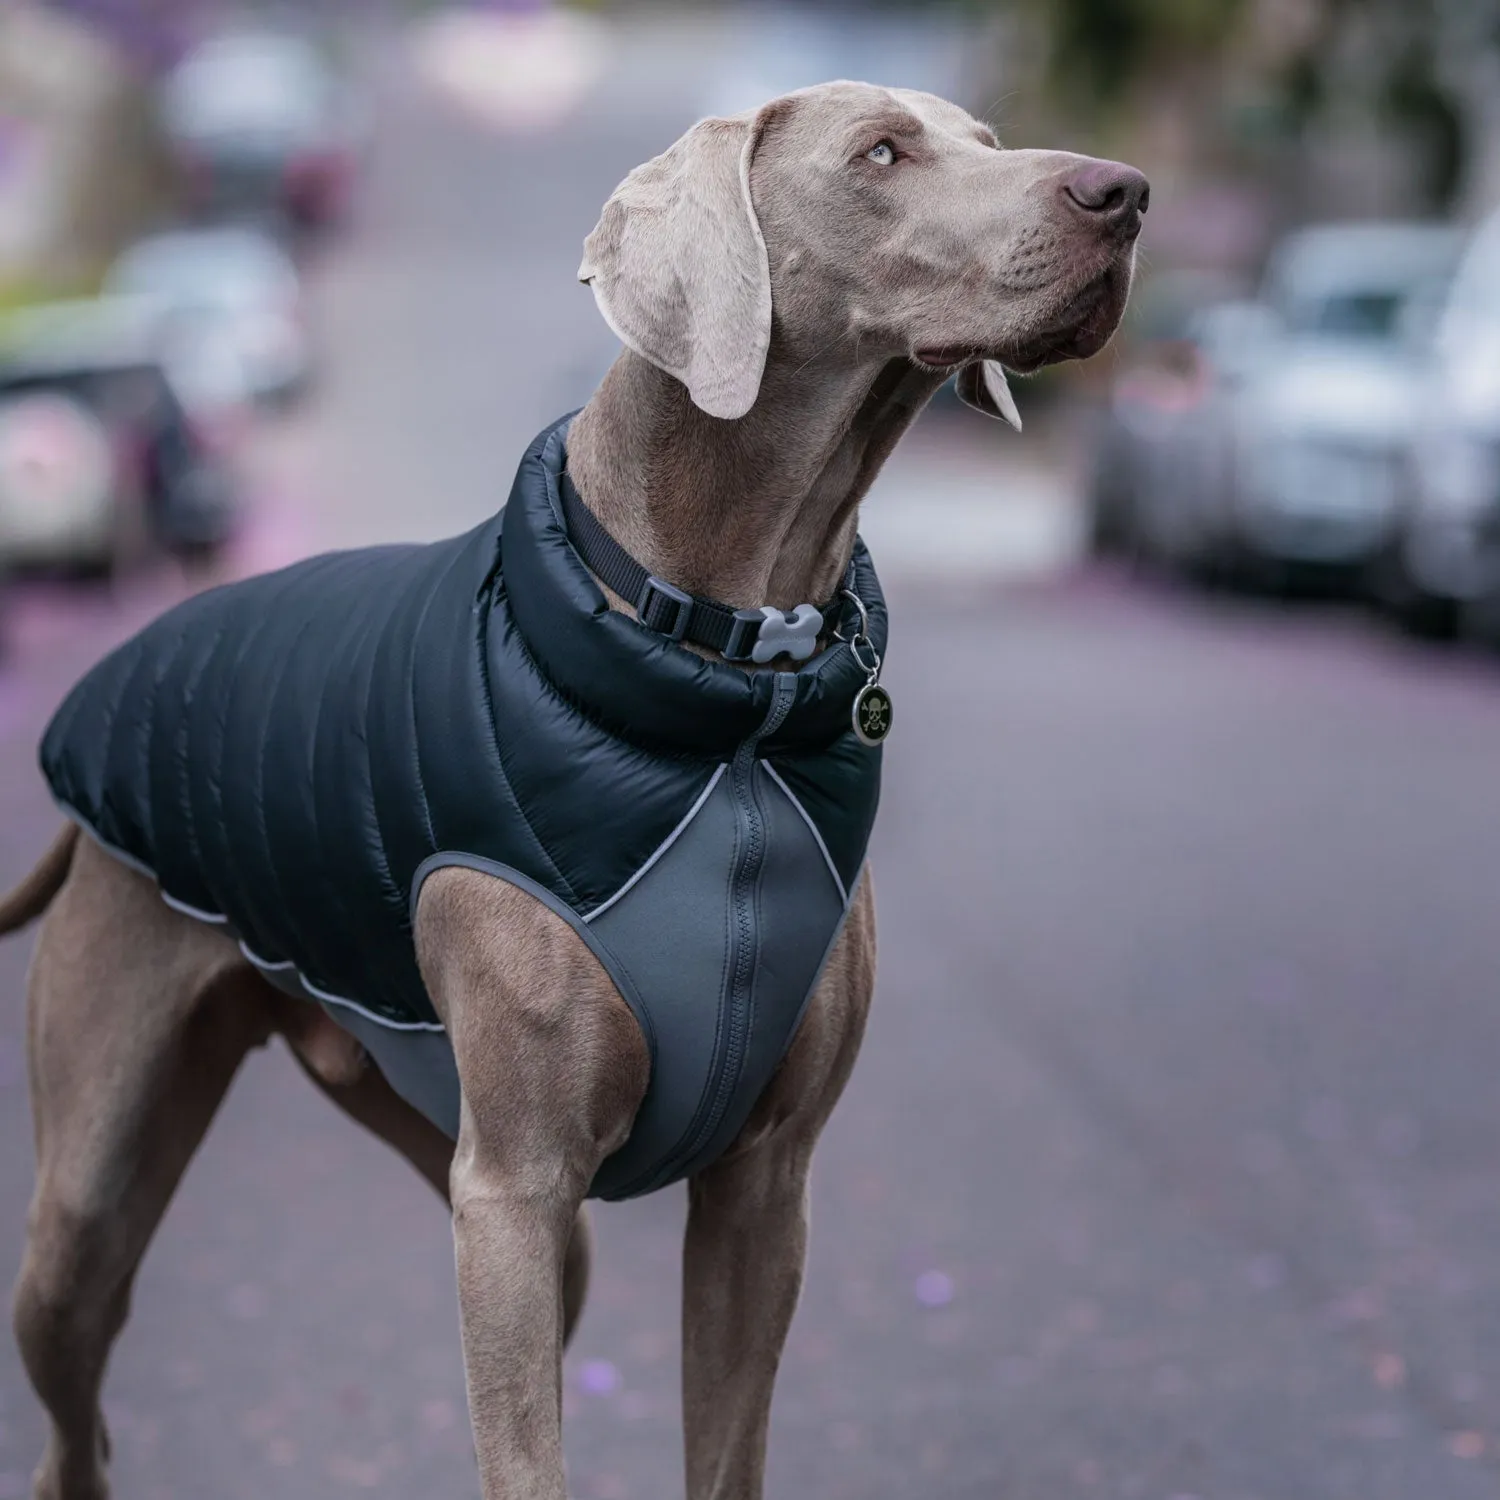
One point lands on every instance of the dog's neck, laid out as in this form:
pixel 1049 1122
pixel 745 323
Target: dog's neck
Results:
pixel 756 511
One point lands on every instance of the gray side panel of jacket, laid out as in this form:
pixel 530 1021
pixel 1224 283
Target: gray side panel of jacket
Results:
pixel 419 1065
pixel 666 945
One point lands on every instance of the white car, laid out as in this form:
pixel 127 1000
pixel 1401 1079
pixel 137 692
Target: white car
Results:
pixel 1450 552
pixel 101 457
pixel 57 480
pixel 233 299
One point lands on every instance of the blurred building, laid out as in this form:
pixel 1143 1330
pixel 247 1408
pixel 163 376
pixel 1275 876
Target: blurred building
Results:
pixel 78 164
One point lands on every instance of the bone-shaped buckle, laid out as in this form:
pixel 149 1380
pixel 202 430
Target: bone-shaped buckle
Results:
pixel 794 635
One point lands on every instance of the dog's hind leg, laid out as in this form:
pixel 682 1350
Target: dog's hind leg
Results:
pixel 380 1109
pixel 341 1071
pixel 577 1263
pixel 138 1019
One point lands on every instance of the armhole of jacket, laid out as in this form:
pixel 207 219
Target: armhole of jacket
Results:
pixel 833 943
pixel 610 964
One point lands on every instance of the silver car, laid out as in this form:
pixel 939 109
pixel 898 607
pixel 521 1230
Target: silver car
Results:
pixel 1449 558
pixel 232 299
pixel 1293 454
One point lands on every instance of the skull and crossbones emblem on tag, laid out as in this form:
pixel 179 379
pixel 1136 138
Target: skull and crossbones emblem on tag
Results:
pixel 872 714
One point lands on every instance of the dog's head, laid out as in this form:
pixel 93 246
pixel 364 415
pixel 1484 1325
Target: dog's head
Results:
pixel 861 224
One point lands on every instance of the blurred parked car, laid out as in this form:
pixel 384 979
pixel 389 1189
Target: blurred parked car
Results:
pixel 99 457
pixel 1160 374
pixel 1448 564
pixel 261 124
pixel 1281 436
pixel 57 476
pixel 229 286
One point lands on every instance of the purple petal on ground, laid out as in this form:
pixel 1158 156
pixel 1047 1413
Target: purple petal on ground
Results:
pixel 934 1289
pixel 438 1415
pixel 598 1377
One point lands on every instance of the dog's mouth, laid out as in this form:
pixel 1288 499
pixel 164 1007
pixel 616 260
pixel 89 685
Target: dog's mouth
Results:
pixel 947 357
pixel 1079 330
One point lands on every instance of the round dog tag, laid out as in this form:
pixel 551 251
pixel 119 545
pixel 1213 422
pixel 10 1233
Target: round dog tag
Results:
pixel 872 714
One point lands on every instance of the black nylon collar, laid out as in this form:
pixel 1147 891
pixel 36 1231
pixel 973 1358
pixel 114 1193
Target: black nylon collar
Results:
pixel 661 606
pixel 638 682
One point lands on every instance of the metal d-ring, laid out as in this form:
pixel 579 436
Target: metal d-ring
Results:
pixel 872 667
pixel 861 639
pixel 864 616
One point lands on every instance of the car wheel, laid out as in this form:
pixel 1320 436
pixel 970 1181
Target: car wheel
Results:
pixel 1479 620
pixel 200 560
pixel 1430 619
pixel 1111 529
pixel 1396 594
pixel 124 551
pixel 1427 617
pixel 1219 570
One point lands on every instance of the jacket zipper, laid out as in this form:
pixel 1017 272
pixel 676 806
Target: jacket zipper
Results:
pixel 750 848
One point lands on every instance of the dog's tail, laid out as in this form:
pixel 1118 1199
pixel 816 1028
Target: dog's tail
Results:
pixel 34 894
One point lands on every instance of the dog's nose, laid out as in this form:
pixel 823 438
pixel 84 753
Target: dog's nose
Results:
pixel 1110 193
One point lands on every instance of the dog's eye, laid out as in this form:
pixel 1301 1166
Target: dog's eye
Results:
pixel 883 154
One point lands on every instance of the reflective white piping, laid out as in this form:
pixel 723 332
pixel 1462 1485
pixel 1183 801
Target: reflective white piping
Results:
pixel 185 909
pixel 260 963
pixel 115 852
pixel 109 849
pixel 265 963
pixel 369 1015
pixel 665 844
pixel 812 828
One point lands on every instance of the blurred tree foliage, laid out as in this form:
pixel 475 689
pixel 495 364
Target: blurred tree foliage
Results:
pixel 1101 50
pixel 1404 61
pixel 1405 65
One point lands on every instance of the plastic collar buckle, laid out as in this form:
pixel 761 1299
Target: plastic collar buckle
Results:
pixel 743 635
pixel 664 608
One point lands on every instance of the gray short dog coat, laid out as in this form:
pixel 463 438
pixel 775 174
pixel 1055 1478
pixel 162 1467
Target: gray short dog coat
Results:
pixel 292 755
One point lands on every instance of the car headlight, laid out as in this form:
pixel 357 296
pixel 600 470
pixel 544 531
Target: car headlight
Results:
pixel 1460 477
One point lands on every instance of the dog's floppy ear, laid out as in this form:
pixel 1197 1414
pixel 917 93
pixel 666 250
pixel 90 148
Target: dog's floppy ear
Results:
pixel 983 386
pixel 678 265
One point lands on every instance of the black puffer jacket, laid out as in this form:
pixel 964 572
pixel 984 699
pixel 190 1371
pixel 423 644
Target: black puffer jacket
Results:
pixel 292 755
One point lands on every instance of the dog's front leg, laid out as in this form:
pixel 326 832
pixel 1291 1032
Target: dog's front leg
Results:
pixel 553 1068
pixel 510 1236
pixel 747 1232
pixel 742 1274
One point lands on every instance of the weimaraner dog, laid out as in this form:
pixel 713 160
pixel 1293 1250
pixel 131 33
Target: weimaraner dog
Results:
pixel 791 286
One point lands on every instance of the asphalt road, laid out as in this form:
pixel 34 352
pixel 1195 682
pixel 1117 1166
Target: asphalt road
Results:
pixel 1172 1165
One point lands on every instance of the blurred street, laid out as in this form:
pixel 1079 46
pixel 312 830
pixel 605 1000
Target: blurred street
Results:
pixel 1171 1167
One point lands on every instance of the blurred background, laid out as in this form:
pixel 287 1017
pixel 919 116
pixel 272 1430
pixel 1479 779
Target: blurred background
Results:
pixel 1171 1170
